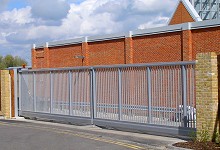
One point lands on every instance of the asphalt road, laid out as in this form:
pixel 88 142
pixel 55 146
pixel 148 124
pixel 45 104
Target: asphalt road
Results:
pixel 37 135
pixel 30 136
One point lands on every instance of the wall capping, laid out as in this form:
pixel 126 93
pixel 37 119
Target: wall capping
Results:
pixel 135 33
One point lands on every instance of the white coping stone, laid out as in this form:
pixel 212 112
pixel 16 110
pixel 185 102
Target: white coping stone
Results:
pixel 150 31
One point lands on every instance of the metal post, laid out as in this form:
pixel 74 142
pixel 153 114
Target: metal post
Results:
pixel 16 91
pixel 20 95
pixel 94 92
pixel 70 93
pixel 34 92
pixel 119 95
pixel 149 94
pixel 184 96
pixel 51 92
pixel 91 96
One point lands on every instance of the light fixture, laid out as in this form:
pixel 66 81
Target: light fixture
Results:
pixel 80 57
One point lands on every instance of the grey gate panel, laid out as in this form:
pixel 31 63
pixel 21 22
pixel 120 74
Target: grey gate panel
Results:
pixel 149 98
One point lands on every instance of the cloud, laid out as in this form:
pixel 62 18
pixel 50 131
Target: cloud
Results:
pixel 157 22
pixel 51 20
pixel 3 4
pixel 16 16
pixel 49 9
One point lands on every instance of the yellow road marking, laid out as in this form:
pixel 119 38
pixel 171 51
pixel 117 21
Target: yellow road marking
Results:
pixel 78 134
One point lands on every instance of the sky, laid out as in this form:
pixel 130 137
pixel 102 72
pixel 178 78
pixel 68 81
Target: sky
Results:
pixel 27 22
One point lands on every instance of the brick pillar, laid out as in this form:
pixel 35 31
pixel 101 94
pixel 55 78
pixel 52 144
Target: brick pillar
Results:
pixel 0 96
pixel 85 53
pixel 207 93
pixel 47 56
pixel 5 93
pixel 34 59
pixel 187 48
pixel 11 72
pixel 129 50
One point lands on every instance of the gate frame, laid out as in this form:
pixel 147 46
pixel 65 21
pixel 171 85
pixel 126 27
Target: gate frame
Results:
pixel 117 124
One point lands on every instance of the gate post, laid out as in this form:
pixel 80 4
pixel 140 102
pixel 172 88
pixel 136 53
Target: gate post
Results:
pixel 91 96
pixel 19 94
pixel 6 93
pixel 94 112
pixel 149 94
pixel 119 94
pixel 184 96
pixel 207 94
pixel 51 92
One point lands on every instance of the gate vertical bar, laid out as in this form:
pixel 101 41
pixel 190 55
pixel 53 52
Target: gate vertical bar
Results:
pixel 34 92
pixel 70 93
pixel 149 94
pixel 119 94
pixel 20 95
pixel 94 93
pixel 184 88
pixel 16 91
pixel 91 96
pixel 51 92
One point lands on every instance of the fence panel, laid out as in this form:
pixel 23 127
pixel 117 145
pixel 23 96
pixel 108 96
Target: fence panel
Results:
pixel 27 90
pixel 42 92
pixel 107 101
pixel 166 95
pixel 134 94
pixel 80 93
pixel 60 90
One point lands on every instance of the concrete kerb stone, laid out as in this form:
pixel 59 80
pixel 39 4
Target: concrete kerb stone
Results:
pixel 171 147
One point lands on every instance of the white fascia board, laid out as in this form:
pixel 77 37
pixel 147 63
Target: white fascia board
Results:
pixel 205 24
pixel 39 46
pixel 106 37
pixel 150 31
pixel 60 43
pixel 158 30
pixel 65 42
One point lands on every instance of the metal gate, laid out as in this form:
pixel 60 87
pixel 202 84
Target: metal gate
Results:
pixel 151 98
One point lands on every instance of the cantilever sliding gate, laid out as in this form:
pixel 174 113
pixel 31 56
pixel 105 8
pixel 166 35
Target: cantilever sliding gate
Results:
pixel 151 98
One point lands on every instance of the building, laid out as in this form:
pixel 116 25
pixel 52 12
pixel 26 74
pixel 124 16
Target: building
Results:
pixel 190 30
pixel 207 9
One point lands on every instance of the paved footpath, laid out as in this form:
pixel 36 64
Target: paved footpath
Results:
pixel 22 134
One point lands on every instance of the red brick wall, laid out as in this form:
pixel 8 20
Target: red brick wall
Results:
pixel 164 47
pixel 181 15
pixel 38 58
pixel 206 40
pixel 107 52
pixel 157 48
pixel 64 56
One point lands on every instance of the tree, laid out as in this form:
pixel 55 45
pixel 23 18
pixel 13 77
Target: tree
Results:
pixel 10 61
pixel 1 62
